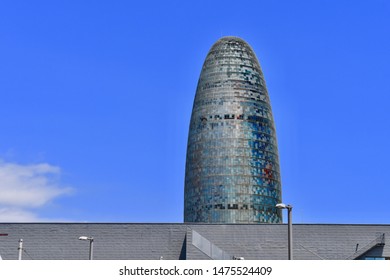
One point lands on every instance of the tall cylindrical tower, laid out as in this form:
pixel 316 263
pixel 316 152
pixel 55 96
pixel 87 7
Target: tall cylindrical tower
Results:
pixel 232 166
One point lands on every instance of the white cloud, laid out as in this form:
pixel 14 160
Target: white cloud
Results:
pixel 23 187
pixel 12 215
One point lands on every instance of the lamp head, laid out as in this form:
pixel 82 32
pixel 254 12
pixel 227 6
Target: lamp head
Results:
pixel 85 238
pixel 283 206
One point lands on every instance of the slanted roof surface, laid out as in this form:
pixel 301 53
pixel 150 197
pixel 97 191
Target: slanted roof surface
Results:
pixel 48 241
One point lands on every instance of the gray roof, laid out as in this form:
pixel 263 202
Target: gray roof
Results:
pixel 48 241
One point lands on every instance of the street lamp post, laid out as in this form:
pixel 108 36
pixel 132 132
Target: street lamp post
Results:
pixel 289 210
pixel 20 249
pixel 90 239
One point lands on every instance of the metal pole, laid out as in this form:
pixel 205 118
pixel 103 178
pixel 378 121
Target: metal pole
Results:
pixel 20 249
pixel 290 252
pixel 91 248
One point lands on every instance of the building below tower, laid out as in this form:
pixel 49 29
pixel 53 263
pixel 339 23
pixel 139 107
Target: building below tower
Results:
pixel 170 241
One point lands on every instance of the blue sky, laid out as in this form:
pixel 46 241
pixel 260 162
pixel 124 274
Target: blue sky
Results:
pixel 96 98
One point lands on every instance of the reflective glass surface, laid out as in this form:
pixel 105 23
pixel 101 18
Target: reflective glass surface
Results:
pixel 232 166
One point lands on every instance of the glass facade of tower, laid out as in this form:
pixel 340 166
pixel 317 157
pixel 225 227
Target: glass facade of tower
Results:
pixel 232 166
